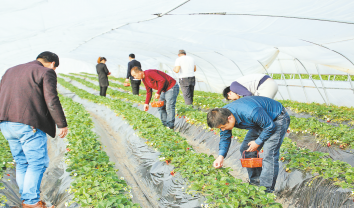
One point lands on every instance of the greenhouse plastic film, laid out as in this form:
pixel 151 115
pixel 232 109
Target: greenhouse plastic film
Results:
pixel 208 142
pixel 154 173
pixel 55 180
pixel 309 141
pixel 295 189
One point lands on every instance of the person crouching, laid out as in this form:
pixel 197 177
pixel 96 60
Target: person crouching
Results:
pixel 267 122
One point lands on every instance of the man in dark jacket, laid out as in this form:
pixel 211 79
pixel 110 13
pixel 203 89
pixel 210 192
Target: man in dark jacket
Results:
pixel 30 108
pixel 135 83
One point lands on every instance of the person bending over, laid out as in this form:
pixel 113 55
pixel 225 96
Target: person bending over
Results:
pixel 30 108
pixel 267 122
pixel 167 91
pixel 251 85
pixel 102 72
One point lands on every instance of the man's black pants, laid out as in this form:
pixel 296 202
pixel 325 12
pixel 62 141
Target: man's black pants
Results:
pixel 103 91
pixel 135 86
pixel 187 86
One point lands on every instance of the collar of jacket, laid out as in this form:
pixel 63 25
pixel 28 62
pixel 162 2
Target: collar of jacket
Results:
pixel 238 120
pixel 37 62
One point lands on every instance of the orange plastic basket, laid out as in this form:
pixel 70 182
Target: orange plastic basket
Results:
pixel 157 104
pixel 251 162
pixel 126 84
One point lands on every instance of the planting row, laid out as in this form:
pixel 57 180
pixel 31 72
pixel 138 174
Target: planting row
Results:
pixel 220 188
pixel 196 92
pixel 296 158
pixel 329 113
pixel 313 76
pixel 6 161
pixel 96 183
pixel 327 134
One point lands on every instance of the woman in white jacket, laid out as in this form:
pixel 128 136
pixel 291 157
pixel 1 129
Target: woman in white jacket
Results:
pixel 251 85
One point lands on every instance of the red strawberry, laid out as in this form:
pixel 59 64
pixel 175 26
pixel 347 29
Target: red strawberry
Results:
pixel 232 136
pixel 261 151
pixel 282 158
pixel 328 144
pixel 167 162
pixel 8 174
pixel 184 116
pixel 212 130
pixel 226 184
pixel 172 173
pixel 288 131
pixel 67 149
pixel 341 146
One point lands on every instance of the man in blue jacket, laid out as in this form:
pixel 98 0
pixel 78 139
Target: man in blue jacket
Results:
pixel 267 122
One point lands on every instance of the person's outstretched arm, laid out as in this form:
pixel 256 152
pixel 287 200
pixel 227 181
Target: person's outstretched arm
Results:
pixel 224 145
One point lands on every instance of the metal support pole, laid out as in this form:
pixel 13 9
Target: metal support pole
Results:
pixel 232 62
pixel 351 83
pixel 269 75
pixel 212 66
pixel 313 81
pixel 286 85
pixel 307 99
pixel 323 86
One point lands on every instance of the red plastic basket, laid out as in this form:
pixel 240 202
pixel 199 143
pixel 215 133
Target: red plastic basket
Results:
pixel 157 104
pixel 126 84
pixel 251 162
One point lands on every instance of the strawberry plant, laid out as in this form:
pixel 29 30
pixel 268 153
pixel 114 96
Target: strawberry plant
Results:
pixel 198 117
pixel 96 183
pixel 6 161
pixel 318 163
pixel 173 147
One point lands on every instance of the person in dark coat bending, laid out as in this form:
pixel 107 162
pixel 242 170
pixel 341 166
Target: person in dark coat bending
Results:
pixel 102 72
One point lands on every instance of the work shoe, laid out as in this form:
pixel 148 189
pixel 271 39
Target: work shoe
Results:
pixel 39 204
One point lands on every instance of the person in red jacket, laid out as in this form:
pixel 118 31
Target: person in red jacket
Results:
pixel 167 91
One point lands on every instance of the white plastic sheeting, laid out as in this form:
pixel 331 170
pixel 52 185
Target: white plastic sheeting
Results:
pixel 227 38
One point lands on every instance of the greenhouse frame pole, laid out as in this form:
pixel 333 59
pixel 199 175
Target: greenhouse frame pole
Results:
pixel 232 62
pixel 302 84
pixel 312 80
pixel 286 84
pixel 212 66
pixel 350 81
pixel 323 86
pixel 269 75
pixel 206 78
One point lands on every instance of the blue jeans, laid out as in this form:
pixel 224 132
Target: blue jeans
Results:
pixel 167 111
pixel 29 149
pixel 268 173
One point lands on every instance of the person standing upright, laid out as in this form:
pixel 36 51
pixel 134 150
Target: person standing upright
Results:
pixel 167 91
pixel 30 108
pixel 185 66
pixel 135 83
pixel 102 72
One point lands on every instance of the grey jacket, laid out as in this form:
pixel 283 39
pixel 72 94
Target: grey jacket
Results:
pixel 102 72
